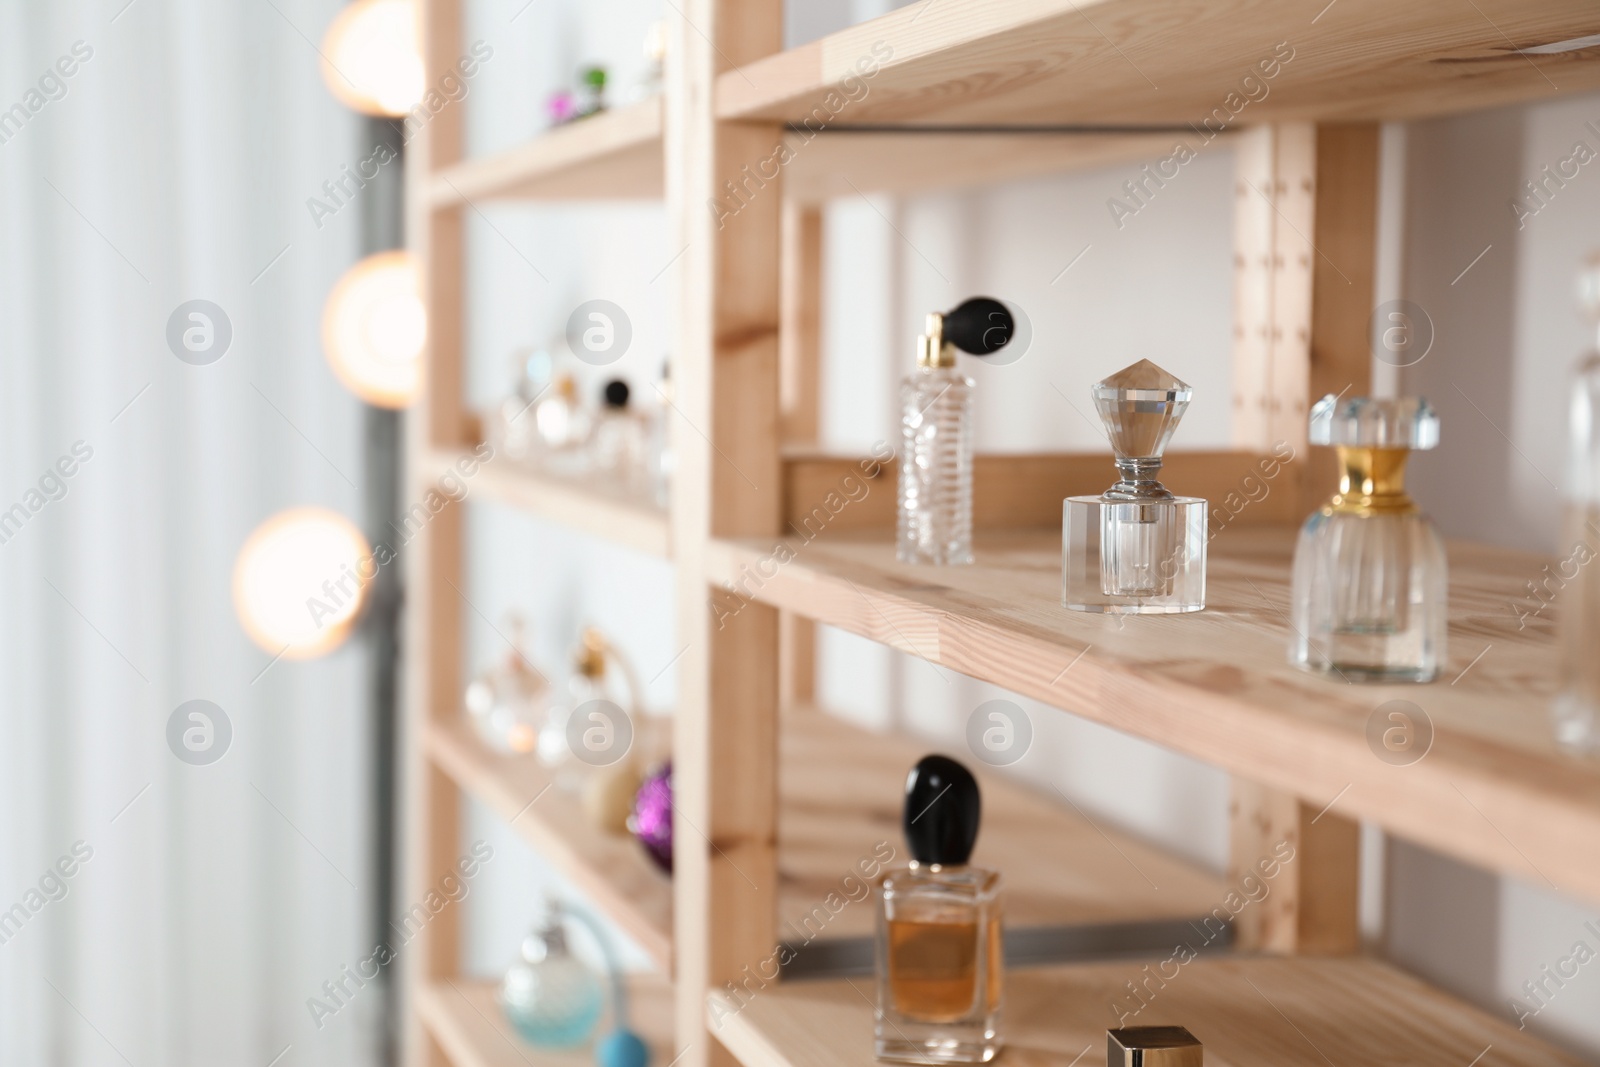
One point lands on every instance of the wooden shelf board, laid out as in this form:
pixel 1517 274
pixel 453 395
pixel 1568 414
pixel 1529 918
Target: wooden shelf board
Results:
pixel 607 510
pixel 467 1024
pixel 1493 789
pixel 1304 1012
pixel 612 871
pixel 840 793
pixel 1170 62
pixel 615 155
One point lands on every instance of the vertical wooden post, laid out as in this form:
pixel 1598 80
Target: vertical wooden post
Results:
pixel 1307 217
pixel 433 559
pixel 799 406
pixel 724 195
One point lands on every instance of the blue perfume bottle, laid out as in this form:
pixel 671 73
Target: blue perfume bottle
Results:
pixel 551 997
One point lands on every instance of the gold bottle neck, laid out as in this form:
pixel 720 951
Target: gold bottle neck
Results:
pixel 933 351
pixel 1372 481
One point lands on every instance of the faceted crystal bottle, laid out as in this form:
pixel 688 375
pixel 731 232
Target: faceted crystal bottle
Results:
pixel 936 433
pixel 1370 584
pixel 1577 709
pixel 939 964
pixel 1136 548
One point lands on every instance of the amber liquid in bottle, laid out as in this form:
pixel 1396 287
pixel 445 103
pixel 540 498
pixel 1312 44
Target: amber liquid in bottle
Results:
pixel 941 965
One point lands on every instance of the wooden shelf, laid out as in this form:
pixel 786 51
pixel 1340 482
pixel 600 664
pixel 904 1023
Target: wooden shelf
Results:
pixel 840 796
pixel 1493 789
pixel 612 871
pixel 1171 62
pixel 596 506
pixel 615 155
pixel 1247 1012
pixel 467 1024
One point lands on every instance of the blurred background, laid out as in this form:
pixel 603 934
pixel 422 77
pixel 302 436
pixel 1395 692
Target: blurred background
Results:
pixel 210 900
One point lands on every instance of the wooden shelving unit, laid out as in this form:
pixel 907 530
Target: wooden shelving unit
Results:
pixel 774 807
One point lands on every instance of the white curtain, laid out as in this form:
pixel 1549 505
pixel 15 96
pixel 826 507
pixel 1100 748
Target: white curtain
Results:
pixel 152 912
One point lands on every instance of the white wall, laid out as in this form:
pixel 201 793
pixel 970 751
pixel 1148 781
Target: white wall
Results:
pixel 1157 288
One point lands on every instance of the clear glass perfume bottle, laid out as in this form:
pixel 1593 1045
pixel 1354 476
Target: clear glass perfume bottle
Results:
pixel 939 964
pixel 512 428
pixel 936 433
pixel 1136 548
pixel 507 704
pixel 1576 711
pixel 1370 584
pixel 621 436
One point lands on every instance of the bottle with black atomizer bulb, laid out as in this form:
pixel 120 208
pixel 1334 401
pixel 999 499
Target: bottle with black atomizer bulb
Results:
pixel 939 965
pixel 936 433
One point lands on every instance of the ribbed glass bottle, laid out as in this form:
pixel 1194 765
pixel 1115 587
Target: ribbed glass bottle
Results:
pixel 936 467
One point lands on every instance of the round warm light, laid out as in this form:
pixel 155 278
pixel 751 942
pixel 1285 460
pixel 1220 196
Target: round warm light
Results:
pixel 372 57
pixel 374 327
pixel 299 582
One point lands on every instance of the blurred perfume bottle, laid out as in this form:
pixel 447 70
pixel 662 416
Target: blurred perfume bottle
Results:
pixel 938 951
pixel 1577 709
pixel 604 693
pixel 509 703
pixel 563 425
pixel 658 450
pixel 592 91
pixel 653 76
pixel 1370 586
pixel 512 428
pixel 550 996
pixel 621 438
pixel 935 522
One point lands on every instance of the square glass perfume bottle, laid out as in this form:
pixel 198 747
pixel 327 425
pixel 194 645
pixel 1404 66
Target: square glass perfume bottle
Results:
pixel 1136 548
pixel 938 954
pixel 1370 585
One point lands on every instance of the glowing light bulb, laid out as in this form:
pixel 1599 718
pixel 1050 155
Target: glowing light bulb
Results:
pixel 372 57
pixel 299 582
pixel 373 328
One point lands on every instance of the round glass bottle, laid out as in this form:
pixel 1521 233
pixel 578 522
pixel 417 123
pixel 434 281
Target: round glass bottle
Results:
pixel 1370 582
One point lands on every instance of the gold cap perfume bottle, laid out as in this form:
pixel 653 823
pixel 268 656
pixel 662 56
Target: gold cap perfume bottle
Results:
pixel 1153 1046
pixel 1369 587
pixel 1136 548
pixel 938 941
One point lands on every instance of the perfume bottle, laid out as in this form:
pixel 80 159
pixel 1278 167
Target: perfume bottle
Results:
pixel 938 948
pixel 1370 584
pixel 1576 710
pixel 1136 548
pixel 512 428
pixel 548 994
pixel 507 705
pixel 562 424
pixel 621 436
pixel 936 433
pixel 600 672
pixel 1153 1046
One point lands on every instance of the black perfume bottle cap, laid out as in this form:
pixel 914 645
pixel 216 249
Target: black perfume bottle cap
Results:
pixel 942 811
pixel 981 326
pixel 617 393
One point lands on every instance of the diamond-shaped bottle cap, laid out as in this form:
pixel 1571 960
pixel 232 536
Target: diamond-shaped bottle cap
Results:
pixel 1141 406
pixel 1368 422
